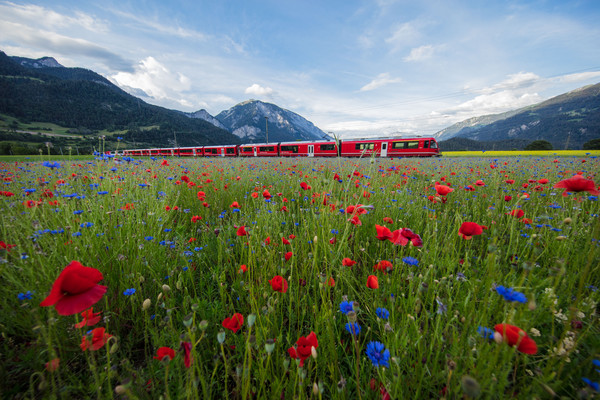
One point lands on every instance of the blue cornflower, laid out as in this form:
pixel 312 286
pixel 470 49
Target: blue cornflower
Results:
pixel 593 385
pixel 51 165
pixel 486 333
pixel 103 192
pixel 378 354
pixel 346 306
pixel 353 328
pixel 129 292
pixel 382 313
pixel 410 261
pixel 511 295
pixel 148 238
pixel 25 296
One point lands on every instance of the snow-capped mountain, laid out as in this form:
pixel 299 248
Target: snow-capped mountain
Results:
pixel 252 119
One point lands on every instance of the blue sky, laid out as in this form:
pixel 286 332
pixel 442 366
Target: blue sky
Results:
pixel 354 68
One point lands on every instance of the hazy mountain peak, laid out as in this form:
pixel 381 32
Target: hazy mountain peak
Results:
pixel 44 62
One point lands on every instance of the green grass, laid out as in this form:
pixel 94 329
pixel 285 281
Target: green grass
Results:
pixel 435 307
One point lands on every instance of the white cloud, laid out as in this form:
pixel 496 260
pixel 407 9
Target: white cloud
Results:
pixel 171 29
pixel 420 53
pixel 54 43
pixel 156 81
pixel 404 35
pixel 32 15
pixel 577 77
pixel 382 79
pixel 258 90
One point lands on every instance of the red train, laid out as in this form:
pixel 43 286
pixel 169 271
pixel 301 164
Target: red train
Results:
pixel 405 147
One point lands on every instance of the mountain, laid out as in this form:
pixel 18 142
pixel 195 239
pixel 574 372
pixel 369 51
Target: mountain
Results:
pixel 205 115
pixel 44 91
pixel 567 121
pixel 252 119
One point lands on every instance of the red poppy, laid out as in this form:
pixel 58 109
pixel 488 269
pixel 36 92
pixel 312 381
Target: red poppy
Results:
pixel 163 352
pixel 507 198
pixel 235 204
pixel 405 235
pixel 383 265
pixel 388 220
pixel 288 255
pixel 383 232
pixel 242 269
pixel 331 281
pixel 443 190
pixel 577 183
pixel 6 246
pixel 267 241
pixel 517 213
pixel 98 340
pixel 479 182
pixel 196 218
pixel 164 162
pixel 543 181
pixel 303 348
pixel 372 282
pixel 305 186
pixel 514 335
pixel 187 357
pixel 266 194
pixel 469 229
pixel 355 220
pixel 279 284
pixel 285 241
pixel 53 365
pixel 75 289
pixel 242 231
pixel 90 318
pixel 357 209
pixel 347 262
pixel 510 181
pixel 234 323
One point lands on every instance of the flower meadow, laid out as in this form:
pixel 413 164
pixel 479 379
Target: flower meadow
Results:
pixel 295 278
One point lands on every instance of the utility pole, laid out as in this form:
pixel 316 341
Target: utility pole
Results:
pixel 267 127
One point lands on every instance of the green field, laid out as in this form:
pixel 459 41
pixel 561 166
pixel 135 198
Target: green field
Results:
pixel 185 247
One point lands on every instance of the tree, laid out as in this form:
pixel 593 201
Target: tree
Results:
pixel 539 145
pixel 593 144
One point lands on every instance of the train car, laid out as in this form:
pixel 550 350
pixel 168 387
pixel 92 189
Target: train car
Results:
pixel 308 149
pixel 409 147
pixel 221 151
pixel 259 150
pixel 184 152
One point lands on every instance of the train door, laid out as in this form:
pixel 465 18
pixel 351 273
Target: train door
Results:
pixel 222 151
pixel 311 150
pixel 384 147
pixel 255 153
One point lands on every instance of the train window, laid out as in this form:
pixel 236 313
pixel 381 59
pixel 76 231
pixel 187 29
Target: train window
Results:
pixel 266 148
pixel 413 144
pixel 398 145
pixel 327 147
pixel 293 149
pixel 426 144
pixel 362 146
pixel 231 150
pixel 434 144
pixel 247 149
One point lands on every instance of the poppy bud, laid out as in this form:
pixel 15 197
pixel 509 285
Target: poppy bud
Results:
pixel 146 304
pixel 120 390
pixel 470 386
pixel 567 220
pixel 313 352
pixel 203 325
pixel 251 319
pixel 166 288
pixel 269 346
pixel 221 337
